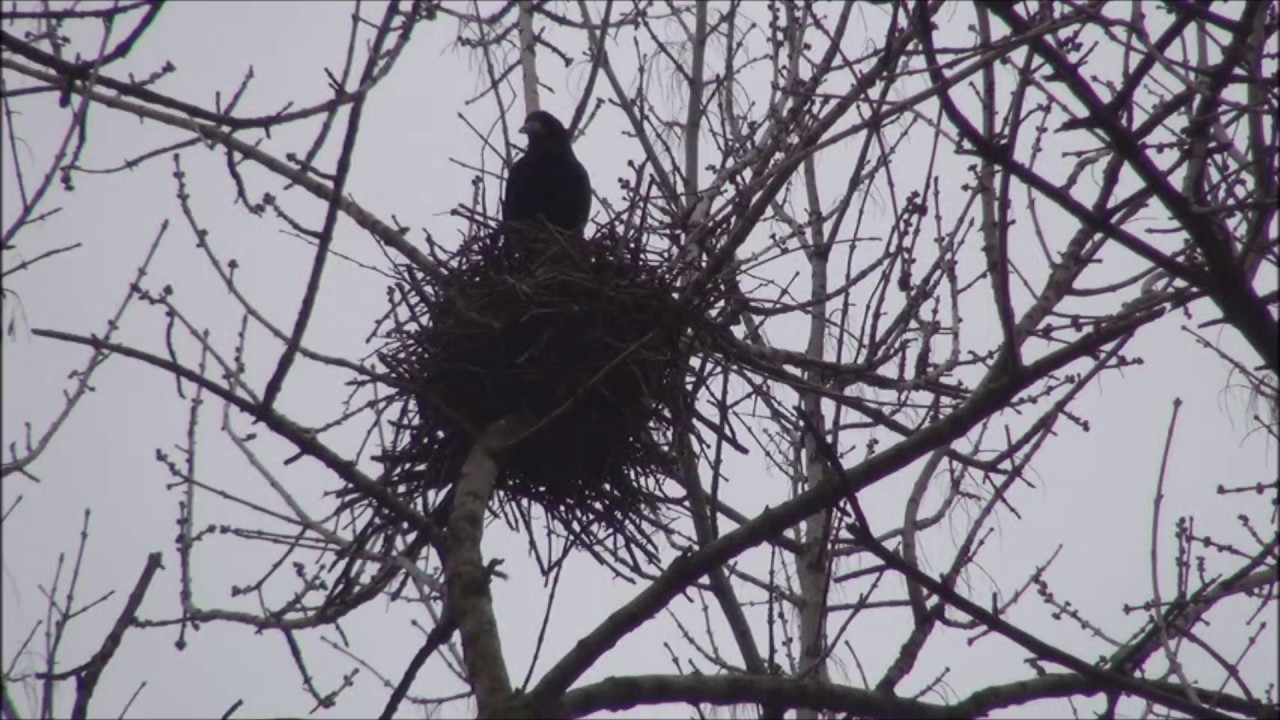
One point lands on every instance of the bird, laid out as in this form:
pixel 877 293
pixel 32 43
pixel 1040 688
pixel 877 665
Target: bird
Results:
pixel 547 183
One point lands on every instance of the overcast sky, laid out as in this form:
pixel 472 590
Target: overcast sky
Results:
pixel 1093 492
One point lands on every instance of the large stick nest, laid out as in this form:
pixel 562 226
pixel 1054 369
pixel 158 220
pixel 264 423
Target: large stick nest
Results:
pixel 585 340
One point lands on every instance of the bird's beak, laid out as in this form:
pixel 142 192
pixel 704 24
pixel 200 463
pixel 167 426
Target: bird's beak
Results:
pixel 529 128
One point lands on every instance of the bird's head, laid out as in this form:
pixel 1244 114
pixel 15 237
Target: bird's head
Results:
pixel 544 129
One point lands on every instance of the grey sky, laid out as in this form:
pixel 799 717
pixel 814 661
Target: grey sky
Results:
pixel 1092 494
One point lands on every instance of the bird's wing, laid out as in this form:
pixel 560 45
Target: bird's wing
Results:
pixel 553 186
pixel 582 193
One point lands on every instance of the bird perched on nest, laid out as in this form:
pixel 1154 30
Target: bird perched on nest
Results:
pixel 547 183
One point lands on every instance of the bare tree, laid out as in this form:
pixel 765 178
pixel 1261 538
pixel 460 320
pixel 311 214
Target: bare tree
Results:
pixel 917 238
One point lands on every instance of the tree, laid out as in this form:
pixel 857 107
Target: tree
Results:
pixel 962 268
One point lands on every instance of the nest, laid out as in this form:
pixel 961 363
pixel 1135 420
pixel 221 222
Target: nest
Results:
pixel 581 338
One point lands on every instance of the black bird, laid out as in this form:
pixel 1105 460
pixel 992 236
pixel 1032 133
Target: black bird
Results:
pixel 547 183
